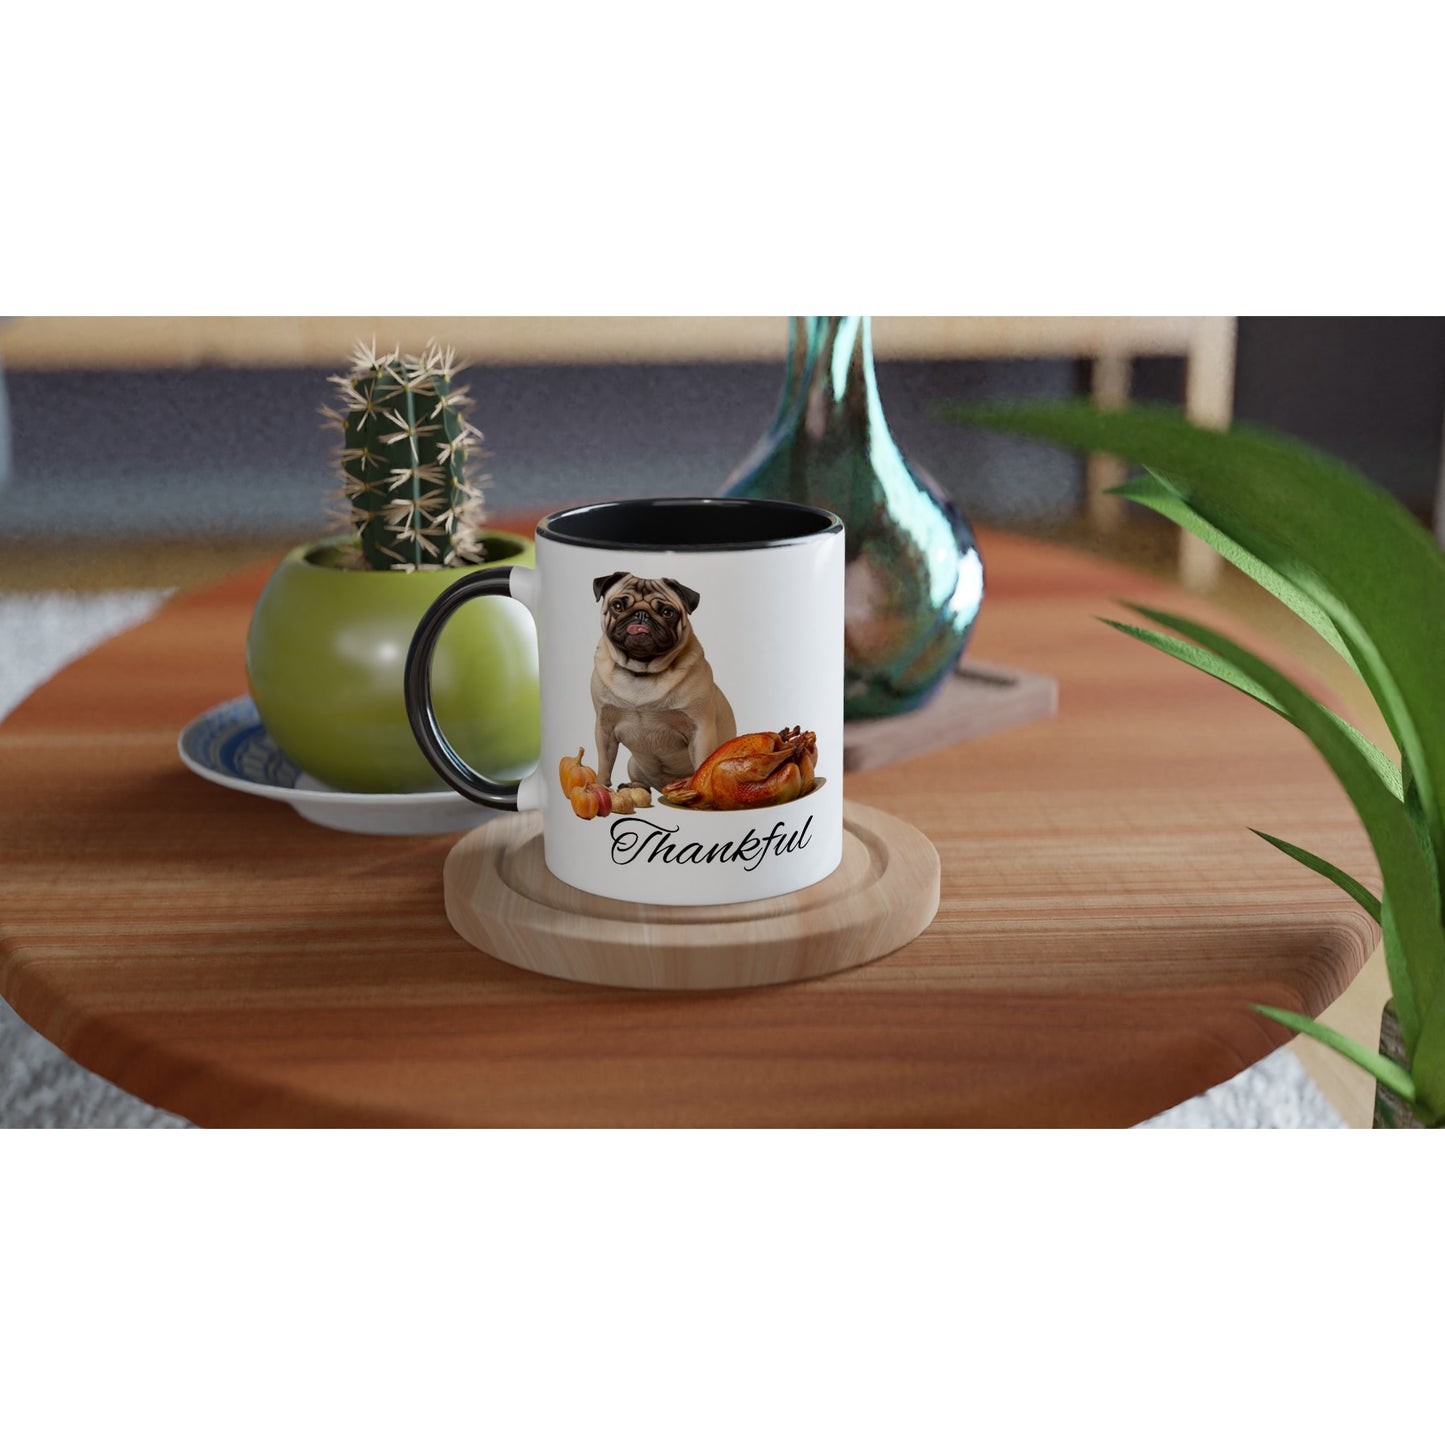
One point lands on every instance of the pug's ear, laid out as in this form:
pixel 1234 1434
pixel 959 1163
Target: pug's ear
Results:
pixel 601 584
pixel 689 598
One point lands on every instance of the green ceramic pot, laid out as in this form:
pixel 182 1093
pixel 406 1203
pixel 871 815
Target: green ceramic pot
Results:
pixel 327 650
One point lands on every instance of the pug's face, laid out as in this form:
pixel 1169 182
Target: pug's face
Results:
pixel 645 617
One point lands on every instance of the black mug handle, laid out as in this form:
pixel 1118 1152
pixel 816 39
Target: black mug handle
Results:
pixel 453 770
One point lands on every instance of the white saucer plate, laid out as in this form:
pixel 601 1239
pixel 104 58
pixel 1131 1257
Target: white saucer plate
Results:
pixel 230 746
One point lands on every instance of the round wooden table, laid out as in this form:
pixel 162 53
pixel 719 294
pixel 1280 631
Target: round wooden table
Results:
pixel 1106 920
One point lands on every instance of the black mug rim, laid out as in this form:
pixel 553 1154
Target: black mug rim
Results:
pixel 822 523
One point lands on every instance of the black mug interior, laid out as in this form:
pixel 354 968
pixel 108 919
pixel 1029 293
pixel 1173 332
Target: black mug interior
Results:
pixel 677 524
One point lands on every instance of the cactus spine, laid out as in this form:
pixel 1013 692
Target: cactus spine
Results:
pixel 411 498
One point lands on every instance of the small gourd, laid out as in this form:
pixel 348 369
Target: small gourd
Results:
pixel 574 773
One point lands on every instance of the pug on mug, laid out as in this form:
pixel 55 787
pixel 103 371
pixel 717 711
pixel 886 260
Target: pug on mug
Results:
pixel 651 685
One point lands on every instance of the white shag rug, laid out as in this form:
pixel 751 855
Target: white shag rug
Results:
pixel 41 1088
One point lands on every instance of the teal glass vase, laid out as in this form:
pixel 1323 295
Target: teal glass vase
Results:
pixel 914 578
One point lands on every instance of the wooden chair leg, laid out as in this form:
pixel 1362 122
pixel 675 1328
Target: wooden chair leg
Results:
pixel 1109 387
pixel 1208 401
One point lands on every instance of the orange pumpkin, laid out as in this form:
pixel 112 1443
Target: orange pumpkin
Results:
pixel 573 773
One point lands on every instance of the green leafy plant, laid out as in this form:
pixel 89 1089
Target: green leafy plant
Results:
pixel 411 497
pixel 1363 573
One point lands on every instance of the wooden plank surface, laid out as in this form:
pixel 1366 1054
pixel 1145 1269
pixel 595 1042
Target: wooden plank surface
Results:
pixel 1106 917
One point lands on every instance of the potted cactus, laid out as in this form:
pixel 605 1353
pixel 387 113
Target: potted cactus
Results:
pixel 329 636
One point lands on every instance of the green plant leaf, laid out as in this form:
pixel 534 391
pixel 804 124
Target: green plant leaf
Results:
pixel 1337 876
pixel 1427 1054
pixel 1162 496
pixel 1320 525
pixel 1415 811
pixel 1405 868
pixel 1387 1071
pixel 1398 969
pixel 1217 667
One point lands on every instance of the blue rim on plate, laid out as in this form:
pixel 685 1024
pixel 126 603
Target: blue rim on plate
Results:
pixel 229 745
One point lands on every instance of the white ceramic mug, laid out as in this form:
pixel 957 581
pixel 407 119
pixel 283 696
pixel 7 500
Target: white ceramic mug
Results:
pixel 691 649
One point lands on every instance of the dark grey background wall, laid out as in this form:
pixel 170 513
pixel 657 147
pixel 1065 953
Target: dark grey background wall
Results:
pixel 213 452
pixel 1370 389
pixel 219 452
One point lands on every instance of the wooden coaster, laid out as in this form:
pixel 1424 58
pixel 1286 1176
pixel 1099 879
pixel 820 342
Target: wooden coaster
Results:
pixel 980 698
pixel 501 899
